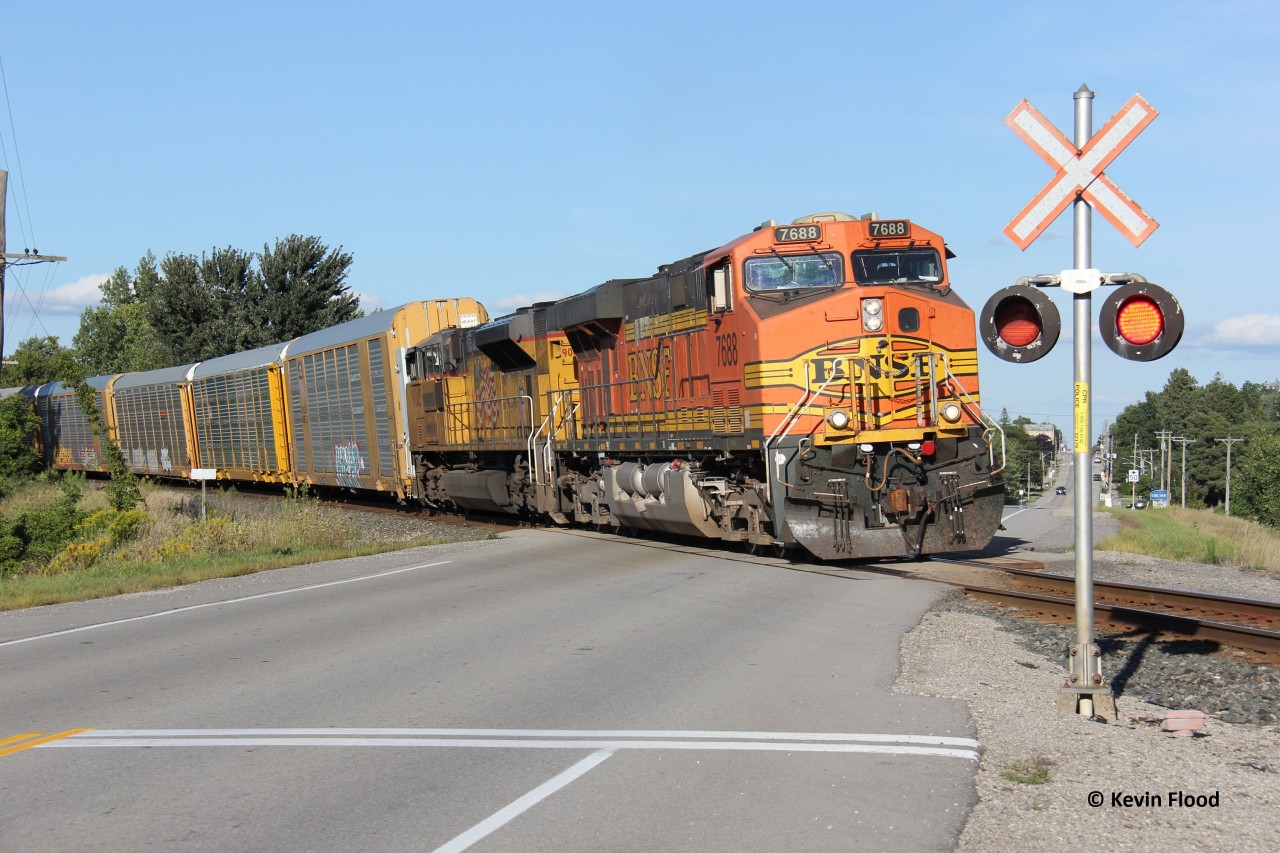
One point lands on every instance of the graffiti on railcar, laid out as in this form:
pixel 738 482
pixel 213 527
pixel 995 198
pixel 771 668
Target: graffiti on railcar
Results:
pixel 348 463
pixel 487 395
pixel 150 460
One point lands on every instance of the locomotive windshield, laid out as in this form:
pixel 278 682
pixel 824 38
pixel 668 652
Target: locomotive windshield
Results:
pixel 906 266
pixel 794 272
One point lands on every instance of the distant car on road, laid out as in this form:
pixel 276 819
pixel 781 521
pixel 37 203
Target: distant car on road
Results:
pixel 1061 490
pixel 1140 505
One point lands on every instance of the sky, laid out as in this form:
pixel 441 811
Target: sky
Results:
pixel 518 152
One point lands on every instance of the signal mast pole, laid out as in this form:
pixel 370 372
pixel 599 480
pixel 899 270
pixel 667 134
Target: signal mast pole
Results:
pixel 1085 689
pixel 1139 321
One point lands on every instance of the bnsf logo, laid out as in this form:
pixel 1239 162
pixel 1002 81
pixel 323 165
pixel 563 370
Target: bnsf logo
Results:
pixel 862 368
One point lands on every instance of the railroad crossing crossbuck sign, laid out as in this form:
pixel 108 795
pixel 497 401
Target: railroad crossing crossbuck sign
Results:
pixel 1079 172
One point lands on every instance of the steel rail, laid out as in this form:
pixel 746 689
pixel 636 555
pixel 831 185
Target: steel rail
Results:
pixel 1244 623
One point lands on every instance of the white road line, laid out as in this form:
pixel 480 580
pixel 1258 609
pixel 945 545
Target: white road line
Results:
pixel 506 815
pixel 917 745
pixel 638 734
pixel 497 743
pixel 603 744
pixel 219 603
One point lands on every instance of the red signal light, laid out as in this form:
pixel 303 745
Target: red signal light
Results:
pixel 1019 323
pixel 1141 321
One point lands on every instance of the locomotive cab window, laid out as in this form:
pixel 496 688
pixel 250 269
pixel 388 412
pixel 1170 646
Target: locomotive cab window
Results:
pixel 794 272
pixel 431 361
pixel 901 266
pixel 720 288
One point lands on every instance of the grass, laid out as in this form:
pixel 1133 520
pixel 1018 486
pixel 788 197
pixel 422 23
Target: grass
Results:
pixel 1028 771
pixel 1196 536
pixel 176 547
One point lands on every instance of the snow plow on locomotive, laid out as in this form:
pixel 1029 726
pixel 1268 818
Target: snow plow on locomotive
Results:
pixel 812 384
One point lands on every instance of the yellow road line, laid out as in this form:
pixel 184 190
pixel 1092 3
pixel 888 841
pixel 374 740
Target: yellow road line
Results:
pixel 16 738
pixel 46 739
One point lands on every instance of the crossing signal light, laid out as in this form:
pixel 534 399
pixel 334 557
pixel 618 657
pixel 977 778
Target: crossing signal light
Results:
pixel 1141 321
pixel 1019 324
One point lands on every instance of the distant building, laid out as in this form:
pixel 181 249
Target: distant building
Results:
pixel 1047 436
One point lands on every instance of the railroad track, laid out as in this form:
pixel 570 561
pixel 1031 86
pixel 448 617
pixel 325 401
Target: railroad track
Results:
pixel 1248 624
pixel 1252 625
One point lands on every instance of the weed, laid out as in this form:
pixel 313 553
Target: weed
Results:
pixel 1197 536
pixel 1028 771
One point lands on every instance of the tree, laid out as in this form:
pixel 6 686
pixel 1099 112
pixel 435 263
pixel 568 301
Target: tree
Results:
pixel 303 288
pixel 1020 451
pixel 185 311
pixel 118 340
pixel 1204 414
pixel 228 274
pixel 1255 485
pixel 117 336
pixel 18 425
pixel 39 360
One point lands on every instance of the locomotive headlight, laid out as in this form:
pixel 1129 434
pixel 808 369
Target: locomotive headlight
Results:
pixel 951 412
pixel 872 315
pixel 838 418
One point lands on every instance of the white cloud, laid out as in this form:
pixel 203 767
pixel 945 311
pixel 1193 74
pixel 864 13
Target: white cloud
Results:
pixel 370 303
pixel 64 300
pixel 1249 330
pixel 513 301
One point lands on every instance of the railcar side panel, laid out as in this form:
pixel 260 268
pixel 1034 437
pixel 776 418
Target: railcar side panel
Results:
pixel 67 438
pixel 153 421
pixel 345 388
pixel 237 406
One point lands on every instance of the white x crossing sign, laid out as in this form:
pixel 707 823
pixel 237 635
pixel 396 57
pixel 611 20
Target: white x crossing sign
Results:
pixel 1080 171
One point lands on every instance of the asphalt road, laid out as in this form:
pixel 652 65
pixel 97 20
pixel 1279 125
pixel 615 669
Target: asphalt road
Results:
pixel 542 692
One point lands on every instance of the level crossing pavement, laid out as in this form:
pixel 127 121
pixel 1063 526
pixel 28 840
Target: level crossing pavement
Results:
pixel 535 692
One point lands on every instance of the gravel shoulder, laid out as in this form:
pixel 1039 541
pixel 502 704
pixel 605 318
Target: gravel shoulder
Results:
pixel 1011 688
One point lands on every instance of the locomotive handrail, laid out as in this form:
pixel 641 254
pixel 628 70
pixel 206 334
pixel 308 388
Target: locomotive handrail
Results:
pixel 548 423
pixel 981 416
pixel 790 420
pixel 605 388
pixel 463 421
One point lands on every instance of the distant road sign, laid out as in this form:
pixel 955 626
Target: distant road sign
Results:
pixel 1080 171
pixel 1133 475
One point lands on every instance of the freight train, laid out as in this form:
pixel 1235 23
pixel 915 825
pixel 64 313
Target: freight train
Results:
pixel 813 385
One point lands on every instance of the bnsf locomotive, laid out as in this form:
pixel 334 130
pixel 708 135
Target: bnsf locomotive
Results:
pixel 812 384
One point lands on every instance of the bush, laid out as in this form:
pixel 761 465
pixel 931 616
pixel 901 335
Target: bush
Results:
pixel 18 425
pixel 1257 480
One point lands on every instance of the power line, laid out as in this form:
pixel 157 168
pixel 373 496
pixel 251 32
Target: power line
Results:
pixel 17 154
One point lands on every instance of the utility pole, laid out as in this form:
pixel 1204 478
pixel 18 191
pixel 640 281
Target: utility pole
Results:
pixel 1166 456
pixel 31 256
pixel 1184 442
pixel 1228 442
